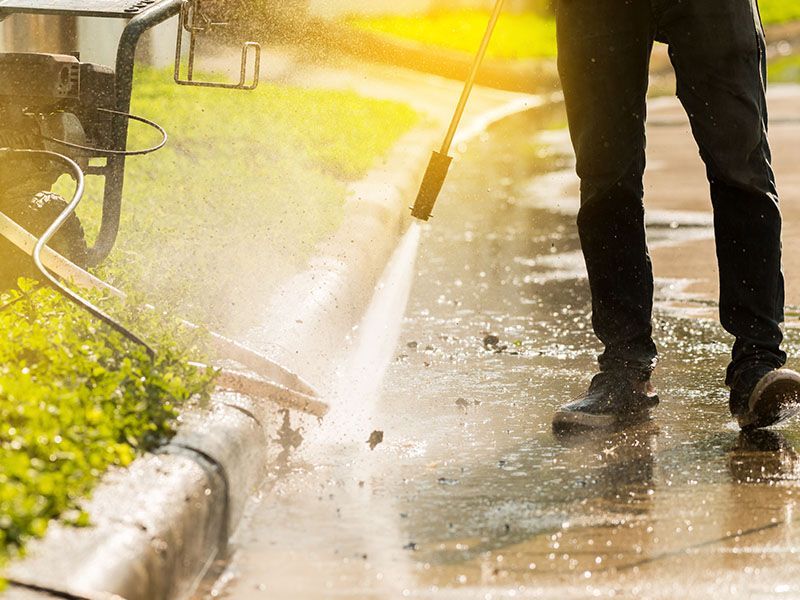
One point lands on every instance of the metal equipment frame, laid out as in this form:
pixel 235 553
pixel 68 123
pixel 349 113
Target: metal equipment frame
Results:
pixel 143 15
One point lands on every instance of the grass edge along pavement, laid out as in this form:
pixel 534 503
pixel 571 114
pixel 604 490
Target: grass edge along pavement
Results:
pixel 443 43
pixel 218 458
pixel 785 69
pixel 77 398
pixel 519 35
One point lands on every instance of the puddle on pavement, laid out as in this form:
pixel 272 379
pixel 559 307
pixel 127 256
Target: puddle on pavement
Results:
pixel 469 494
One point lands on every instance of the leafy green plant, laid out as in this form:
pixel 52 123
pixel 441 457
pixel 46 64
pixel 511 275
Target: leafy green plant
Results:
pixel 77 398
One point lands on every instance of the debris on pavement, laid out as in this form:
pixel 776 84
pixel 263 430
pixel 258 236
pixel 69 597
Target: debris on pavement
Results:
pixel 375 438
pixel 491 342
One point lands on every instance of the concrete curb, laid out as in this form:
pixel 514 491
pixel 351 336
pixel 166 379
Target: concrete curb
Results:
pixel 159 525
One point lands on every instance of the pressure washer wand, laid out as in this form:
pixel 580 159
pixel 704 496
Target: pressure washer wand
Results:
pixel 440 161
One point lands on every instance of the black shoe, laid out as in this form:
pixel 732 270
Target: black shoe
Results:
pixel 762 396
pixel 613 399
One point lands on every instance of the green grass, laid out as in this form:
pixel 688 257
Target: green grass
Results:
pixel 518 36
pixel 785 69
pixel 527 35
pixel 779 11
pixel 75 399
pixel 248 184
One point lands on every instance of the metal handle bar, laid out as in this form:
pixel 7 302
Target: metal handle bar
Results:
pixel 189 14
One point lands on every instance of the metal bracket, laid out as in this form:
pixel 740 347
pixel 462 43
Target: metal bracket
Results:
pixel 193 20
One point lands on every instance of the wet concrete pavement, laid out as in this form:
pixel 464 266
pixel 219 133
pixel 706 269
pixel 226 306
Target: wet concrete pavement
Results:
pixel 469 494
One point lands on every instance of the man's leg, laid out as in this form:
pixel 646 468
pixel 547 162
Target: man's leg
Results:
pixel 604 49
pixel 603 55
pixel 717 49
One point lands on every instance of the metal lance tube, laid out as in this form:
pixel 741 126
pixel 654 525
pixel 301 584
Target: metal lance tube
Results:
pixel 439 164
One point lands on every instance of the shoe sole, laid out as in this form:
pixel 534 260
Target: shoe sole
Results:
pixel 571 419
pixel 774 399
pixel 568 419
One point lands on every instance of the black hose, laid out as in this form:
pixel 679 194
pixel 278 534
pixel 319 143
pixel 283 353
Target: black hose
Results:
pixel 110 152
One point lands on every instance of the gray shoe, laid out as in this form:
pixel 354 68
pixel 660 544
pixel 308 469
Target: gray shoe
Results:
pixel 613 399
pixel 763 396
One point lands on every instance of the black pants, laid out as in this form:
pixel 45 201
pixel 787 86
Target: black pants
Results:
pixel 718 52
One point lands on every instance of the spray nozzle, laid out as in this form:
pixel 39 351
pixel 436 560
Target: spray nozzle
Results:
pixel 431 186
